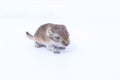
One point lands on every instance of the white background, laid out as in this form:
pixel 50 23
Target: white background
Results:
pixel 94 51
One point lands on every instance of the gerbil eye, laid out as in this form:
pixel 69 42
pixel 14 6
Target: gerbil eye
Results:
pixel 57 37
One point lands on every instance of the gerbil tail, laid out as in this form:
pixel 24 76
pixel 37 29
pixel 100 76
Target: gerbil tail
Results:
pixel 29 35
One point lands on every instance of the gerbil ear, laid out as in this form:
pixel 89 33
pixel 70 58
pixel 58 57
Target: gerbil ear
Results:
pixel 49 32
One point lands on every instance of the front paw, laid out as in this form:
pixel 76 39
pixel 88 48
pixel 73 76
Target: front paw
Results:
pixel 59 48
pixel 56 52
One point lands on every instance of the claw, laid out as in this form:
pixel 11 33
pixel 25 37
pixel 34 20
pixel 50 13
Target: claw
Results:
pixel 56 52
pixel 61 47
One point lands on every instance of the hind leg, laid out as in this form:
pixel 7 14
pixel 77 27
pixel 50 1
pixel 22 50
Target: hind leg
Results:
pixel 38 45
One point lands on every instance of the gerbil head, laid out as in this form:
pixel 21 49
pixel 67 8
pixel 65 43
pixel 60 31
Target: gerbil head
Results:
pixel 59 34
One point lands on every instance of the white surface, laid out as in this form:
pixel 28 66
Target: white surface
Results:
pixel 94 52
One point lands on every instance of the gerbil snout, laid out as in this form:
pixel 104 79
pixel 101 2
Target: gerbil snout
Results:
pixel 66 43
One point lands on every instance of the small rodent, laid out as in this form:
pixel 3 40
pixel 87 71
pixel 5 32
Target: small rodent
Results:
pixel 53 36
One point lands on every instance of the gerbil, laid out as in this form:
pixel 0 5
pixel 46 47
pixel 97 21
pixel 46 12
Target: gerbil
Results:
pixel 53 36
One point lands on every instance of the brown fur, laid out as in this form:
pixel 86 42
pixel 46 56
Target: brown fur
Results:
pixel 41 35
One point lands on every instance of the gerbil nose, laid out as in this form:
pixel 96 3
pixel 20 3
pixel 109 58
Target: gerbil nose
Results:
pixel 66 43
